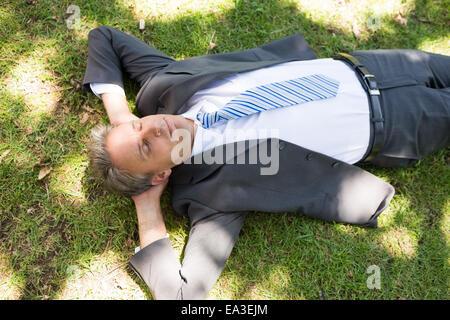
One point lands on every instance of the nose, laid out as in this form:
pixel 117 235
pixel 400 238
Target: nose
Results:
pixel 151 129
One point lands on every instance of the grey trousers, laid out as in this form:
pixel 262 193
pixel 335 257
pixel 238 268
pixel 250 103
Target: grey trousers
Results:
pixel 415 99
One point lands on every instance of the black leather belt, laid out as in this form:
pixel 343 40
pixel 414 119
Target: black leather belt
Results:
pixel 369 83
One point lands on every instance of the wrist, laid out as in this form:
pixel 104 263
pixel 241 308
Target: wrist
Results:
pixel 147 199
pixel 123 117
pixel 117 108
pixel 151 225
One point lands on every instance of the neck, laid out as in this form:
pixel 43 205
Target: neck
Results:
pixel 193 130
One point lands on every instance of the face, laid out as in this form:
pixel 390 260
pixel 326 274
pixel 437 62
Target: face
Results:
pixel 145 145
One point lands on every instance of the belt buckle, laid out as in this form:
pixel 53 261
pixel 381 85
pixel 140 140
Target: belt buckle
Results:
pixel 370 80
pixel 374 92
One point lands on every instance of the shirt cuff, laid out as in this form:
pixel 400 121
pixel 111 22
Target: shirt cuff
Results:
pixel 137 249
pixel 100 88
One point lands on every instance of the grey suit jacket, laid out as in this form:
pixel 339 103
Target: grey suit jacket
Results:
pixel 216 197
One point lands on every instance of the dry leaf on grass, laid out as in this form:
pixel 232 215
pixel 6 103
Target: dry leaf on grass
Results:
pixel 85 107
pixel 84 118
pixel 400 19
pixel 28 130
pixel 44 172
pixel 76 203
pixel 4 154
pixel 212 45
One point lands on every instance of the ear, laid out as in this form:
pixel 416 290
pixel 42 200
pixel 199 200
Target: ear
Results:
pixel 161 176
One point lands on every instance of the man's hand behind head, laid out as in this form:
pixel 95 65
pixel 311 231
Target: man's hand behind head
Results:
pixel 152 194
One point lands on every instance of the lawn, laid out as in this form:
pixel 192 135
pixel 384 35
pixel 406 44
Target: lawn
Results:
pixel 63 237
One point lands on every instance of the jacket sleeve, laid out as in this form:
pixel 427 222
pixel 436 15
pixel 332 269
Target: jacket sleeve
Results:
pixel 209 245
pixel 113 53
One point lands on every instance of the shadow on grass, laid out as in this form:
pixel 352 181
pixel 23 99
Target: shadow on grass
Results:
pixel 302 258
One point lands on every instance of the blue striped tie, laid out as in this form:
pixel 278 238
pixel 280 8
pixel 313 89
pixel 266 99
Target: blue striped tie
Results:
pixel 272 96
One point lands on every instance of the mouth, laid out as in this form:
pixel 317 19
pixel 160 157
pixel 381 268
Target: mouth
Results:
pixel 170 126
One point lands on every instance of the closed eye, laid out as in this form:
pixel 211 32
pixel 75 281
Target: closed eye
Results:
pixel 146 146
pixel 144 149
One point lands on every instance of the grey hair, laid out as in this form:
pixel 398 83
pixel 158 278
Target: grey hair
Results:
pixel 115 180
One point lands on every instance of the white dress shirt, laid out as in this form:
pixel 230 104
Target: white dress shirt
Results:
pixel 99 88
pixel 338 127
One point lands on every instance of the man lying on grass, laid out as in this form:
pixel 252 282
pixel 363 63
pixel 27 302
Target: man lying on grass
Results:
pixel 271 129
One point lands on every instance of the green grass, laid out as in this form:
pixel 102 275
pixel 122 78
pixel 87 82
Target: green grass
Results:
pixel 63 237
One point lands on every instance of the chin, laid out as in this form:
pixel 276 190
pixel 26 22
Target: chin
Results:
pixel 180 122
